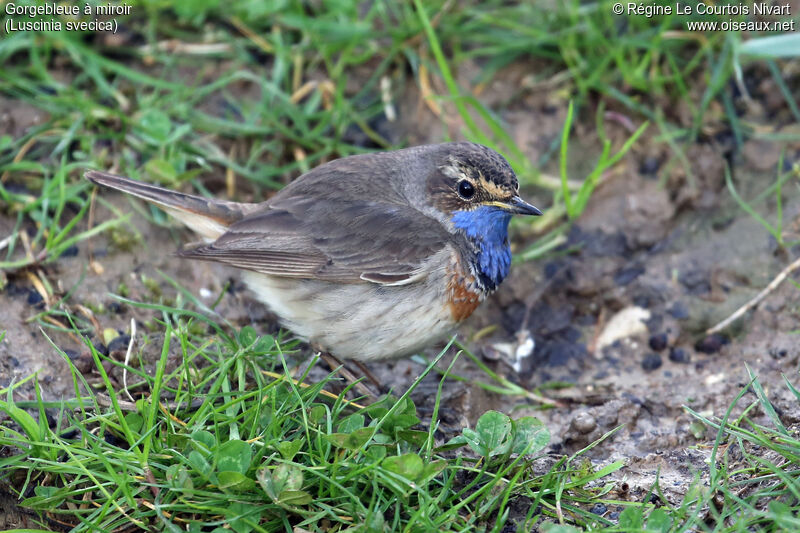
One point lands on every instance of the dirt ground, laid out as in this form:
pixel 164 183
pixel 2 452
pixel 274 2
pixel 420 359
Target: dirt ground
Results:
pixel 670 243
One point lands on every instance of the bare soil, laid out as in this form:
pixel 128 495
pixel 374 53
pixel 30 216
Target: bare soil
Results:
pixel 655 236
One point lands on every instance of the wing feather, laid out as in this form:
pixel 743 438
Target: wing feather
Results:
pixel 341 239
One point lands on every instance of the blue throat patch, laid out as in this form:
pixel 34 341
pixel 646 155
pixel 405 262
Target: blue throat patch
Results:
pixel 487 226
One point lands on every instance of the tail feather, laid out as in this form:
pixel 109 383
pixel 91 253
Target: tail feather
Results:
pixel 208 217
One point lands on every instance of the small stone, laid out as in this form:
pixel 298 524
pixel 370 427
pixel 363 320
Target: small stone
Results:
pixel 776 353
pixel 679 355
pixel 650 165
pixel 35 299
pixel 584 423
pixel 83 363
pixel 627 322
pixel 599 509
pixel 101 348
pixel 658 342
pixel 559 353
pixel 651 361
pixel 119 344
pixel 72 251
pixel 711 344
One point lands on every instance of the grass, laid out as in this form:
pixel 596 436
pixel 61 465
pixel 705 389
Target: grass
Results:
pixel 775 193
pixel 247 95
pixel 759 489
pixel 263 452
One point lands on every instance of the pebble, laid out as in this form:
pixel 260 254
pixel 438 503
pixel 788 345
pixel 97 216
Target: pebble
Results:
pixel 627 322
pixel 650 165
pixel 100 347
pixel 560 352
pixel 119 343
pixel 584 423
pixel 83 362
pixel 651 361
pixel 776 353
pixel 679 355
pixel 658 342
pixel 35 299
pixel 72 251
pixel 711 344
pixel 599 509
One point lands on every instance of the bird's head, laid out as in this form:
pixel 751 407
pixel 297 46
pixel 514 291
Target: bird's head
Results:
pixel 477 192
pixel 472 181
pixel 470 178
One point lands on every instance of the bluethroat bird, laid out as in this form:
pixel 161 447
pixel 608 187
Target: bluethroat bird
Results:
pixel 370 256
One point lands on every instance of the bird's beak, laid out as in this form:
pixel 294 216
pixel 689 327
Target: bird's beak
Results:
pixel 517 206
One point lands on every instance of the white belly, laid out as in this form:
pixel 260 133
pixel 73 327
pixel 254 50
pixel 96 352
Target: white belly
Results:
pixel 364 321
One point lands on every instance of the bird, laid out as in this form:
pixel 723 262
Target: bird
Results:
pixel 369 257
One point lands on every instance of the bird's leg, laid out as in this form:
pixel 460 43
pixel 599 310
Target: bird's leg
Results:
pixel 334 363
pixel 370 376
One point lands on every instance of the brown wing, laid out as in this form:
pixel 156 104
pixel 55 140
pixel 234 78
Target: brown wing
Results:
pixel 336 239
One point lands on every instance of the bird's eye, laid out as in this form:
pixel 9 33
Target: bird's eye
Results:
pixel 465 189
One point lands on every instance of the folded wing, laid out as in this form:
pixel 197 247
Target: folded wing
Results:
pixel 338 239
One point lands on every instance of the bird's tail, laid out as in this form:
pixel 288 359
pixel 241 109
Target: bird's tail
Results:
pixel 208 217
